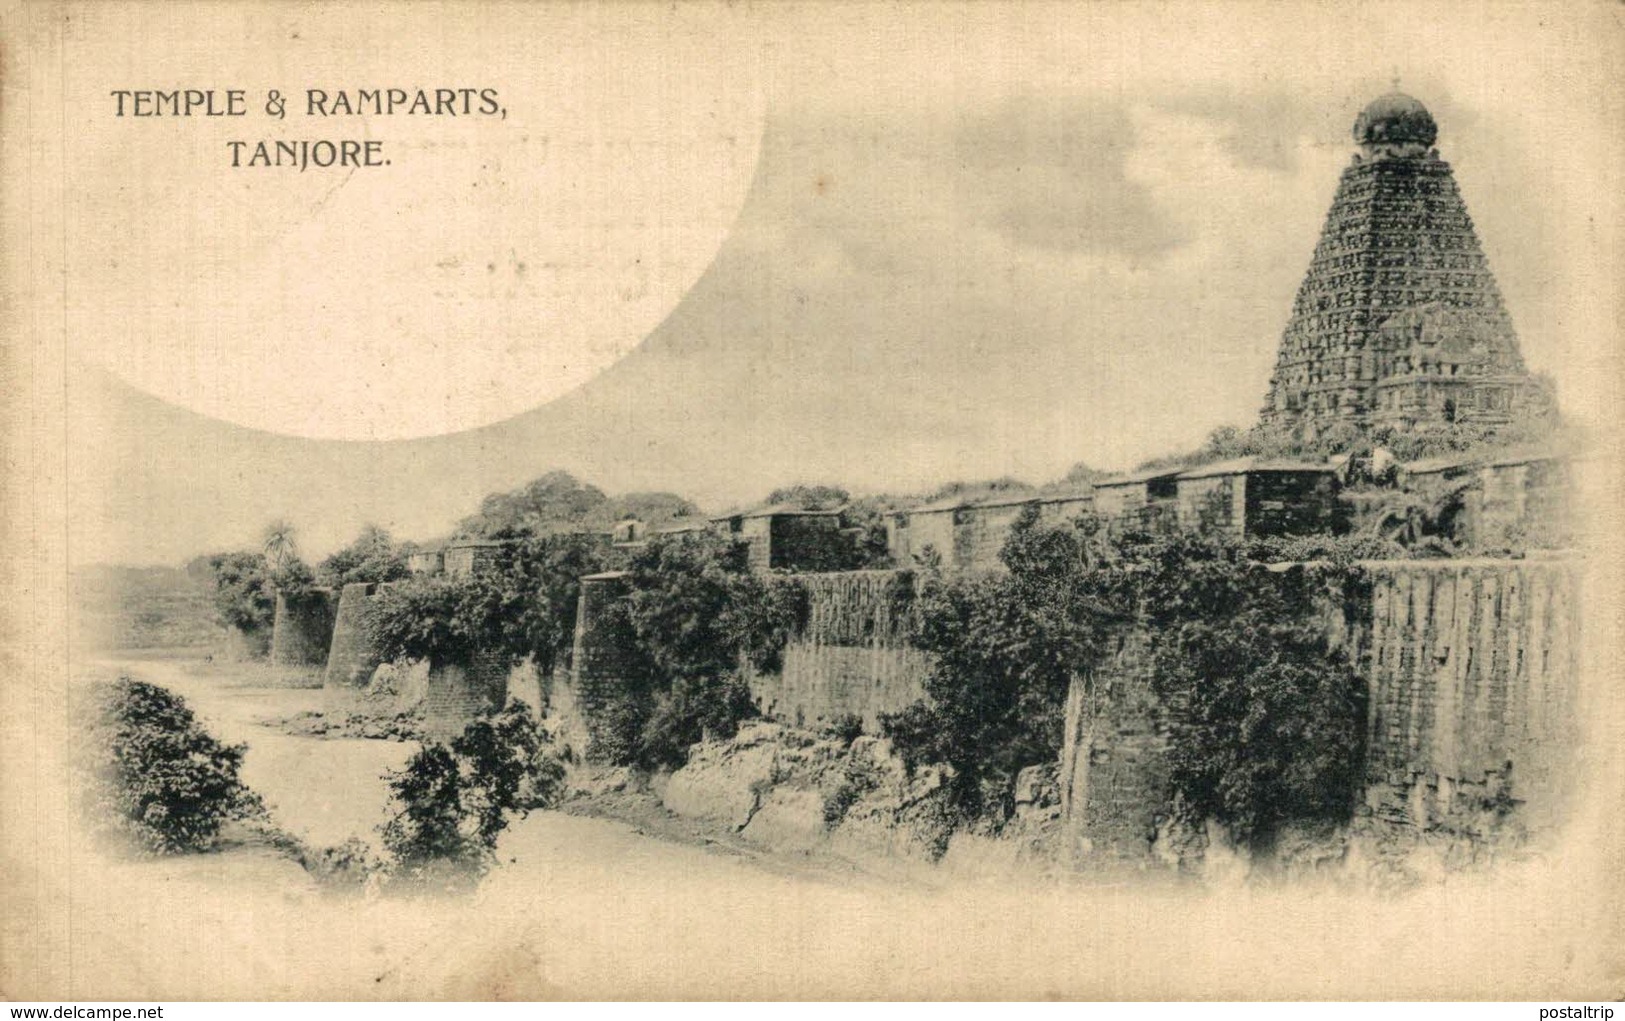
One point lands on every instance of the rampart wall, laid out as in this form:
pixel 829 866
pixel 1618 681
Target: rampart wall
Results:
pixel 350 657
pixel 1473 676
pixel 302 627
pixel 852 658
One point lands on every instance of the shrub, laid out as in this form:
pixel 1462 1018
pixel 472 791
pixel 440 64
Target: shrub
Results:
pixel 1265 719
pixel 424 619
pixel 454 801
pixel 525 603
pixel 692 616
pixel 157 778
pixel 696 708
pixel 845 728
pixel 858 778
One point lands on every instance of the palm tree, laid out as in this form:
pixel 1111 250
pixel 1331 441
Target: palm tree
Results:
pixel 279 544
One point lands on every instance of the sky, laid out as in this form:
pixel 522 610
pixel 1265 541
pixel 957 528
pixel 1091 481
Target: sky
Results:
pixel 992 241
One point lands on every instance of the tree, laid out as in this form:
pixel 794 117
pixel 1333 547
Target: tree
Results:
pixel 555 501
pixel 523 605
pixel 1266 720
pixel 279 543
pixel 453 802
pixel 1005 649
pixel 526 602
pixel 244 596
pixel 374 556
pixel 425 619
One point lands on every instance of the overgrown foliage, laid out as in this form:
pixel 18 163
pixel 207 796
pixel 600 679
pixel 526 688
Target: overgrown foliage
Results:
pixel 374 556
pixel 157 779
pixel 523 604
pixel 453 801
pixel 425 619
pixel 693 617
pixel 244 596
pixel 1265 718
pixel 1006 647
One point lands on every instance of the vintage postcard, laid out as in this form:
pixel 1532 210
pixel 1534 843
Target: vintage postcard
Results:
pixel 811 501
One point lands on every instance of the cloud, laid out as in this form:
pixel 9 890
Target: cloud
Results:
pixel 1051 173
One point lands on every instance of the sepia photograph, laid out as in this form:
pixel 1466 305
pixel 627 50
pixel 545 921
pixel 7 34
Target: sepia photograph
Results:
pixel 812 501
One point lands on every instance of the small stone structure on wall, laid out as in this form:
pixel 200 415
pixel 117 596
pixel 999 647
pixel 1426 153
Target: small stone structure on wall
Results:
pixel 1254 498
pixel 968 533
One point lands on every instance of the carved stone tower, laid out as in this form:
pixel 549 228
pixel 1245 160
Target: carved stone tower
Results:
pixel 1399 321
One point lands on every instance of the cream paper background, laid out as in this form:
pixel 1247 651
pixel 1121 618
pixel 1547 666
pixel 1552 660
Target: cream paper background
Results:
pixel 95 470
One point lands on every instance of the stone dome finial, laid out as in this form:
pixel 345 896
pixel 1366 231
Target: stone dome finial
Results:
pixel 1395 121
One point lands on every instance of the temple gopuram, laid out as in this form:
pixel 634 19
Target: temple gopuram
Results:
pixel 1399 321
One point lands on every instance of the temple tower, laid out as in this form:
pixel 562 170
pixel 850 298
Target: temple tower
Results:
pixel 1399 321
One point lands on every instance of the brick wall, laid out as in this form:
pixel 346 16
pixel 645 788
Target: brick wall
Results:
pixel 607 673
pixel 459 694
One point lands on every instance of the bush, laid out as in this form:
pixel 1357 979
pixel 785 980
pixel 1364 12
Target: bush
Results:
pixel 523 605
pixel 692 617
pixel 858 778
pixel 693 710
pixel 425 619
pixel 1266 721
pixel 845 728
pixel 157 778
pixel 454 801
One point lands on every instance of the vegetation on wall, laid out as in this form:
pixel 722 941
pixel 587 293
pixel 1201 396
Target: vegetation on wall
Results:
pixel 522 604
pixel 374 556
pixel 1265 719
pixel 1006 647
pixel 692 621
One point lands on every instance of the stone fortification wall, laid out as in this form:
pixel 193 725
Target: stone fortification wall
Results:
pixel 302 628
pixel 1473 674
pixel 350 658
pixel 607 672
pixel 459 694
pixel 852 658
